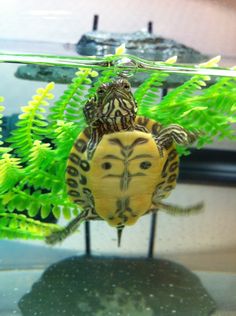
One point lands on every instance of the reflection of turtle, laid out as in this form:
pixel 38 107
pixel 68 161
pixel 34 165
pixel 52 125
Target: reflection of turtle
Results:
pixel 122 165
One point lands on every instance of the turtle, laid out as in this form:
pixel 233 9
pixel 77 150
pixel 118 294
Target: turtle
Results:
pixel 122 165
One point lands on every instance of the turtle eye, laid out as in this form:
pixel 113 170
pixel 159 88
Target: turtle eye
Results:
pixel 101 91
pixel 126 86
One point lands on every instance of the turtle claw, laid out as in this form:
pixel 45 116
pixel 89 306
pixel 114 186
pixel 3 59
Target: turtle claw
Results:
pixel 55 237
pixel 182 136
pixel 176 133
pixel 60 235
pixel 192 136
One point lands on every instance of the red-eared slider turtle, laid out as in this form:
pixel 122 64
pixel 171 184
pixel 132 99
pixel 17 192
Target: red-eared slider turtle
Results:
pixel 121 166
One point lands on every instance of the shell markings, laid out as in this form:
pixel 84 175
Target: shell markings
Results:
pixel 125 176
pixel 124 191
pixel 77 167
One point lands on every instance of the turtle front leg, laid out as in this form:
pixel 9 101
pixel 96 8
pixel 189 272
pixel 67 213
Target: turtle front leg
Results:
pixel 177 210
pixel 60 235
pixel 175 133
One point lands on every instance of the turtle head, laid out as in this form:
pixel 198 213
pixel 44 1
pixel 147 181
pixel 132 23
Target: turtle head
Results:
pixel 113 103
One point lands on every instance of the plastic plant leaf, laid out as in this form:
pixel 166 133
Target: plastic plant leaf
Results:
pixel 14 226
pixel 32 168
pixel 31 124
pixel 120 50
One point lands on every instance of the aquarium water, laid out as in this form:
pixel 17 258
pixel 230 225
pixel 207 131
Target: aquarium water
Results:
pixel 166 265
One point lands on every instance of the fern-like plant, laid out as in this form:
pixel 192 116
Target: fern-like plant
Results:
pixel 31 124
pixel 1 110
pixel 32 169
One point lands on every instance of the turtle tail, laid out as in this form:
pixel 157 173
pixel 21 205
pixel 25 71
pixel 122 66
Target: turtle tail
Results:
pixel 119 234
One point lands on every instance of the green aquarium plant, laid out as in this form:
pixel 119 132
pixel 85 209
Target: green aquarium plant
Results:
pixel 32 168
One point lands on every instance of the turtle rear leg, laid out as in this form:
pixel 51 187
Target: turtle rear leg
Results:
pixel 175 133
pixel 60 235
pixel 178 210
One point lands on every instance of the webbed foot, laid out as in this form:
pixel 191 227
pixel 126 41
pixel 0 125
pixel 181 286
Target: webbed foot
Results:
pixel 60 235
pixel 175 133
pixel 56 237
pixel 178 210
